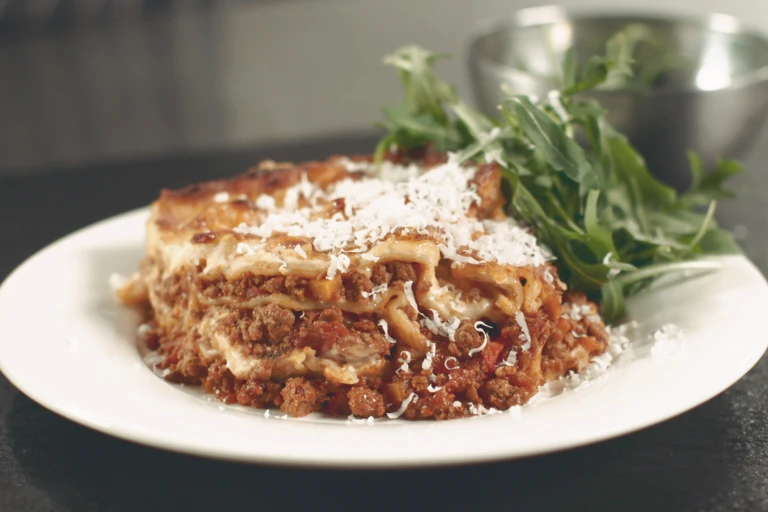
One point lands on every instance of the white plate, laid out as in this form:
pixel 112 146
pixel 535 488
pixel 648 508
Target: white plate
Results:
pixel 70 347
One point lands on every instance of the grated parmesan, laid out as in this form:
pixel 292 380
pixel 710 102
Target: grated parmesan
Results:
pixel 449 368
pixel 485 338
pixel 385 327
pixel 667 341
pixel 408 287
pixel 437 326
pixel 405 360
pixel 221 197
pixel 526 334
pixel 426 364
pixel 375 290
pixel 403 406
pixel 300 251
pixel 402 199
pixel 244 249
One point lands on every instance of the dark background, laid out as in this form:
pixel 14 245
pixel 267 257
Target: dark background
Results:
pixel 100 111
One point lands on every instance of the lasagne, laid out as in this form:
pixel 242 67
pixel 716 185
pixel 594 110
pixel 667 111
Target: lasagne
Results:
pixel 398 289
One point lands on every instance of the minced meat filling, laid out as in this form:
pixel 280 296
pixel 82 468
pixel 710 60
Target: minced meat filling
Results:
pixel 356 284
pixel 271 331
pixel 443 390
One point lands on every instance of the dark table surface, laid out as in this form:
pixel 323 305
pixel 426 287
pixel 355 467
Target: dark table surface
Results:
pixel 714 457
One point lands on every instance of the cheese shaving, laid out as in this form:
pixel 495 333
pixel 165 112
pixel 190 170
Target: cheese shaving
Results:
pixel 408 287
pixel 526 334
pixel 244 249
pixel 485 338
pixel 405 360
pixel 434 389
pixel 117 282
pixel 450 368
pixel 300 251
pixel 511 359
pixel 333 267
pixel 221 197
pixel 480 410
pixel 426 364
pixel 667 342
pixel 437 326
pixel 370 257
pixel 385 327
pixel 403 406
pixel 353 420
pixel 375 290
pixel 266 202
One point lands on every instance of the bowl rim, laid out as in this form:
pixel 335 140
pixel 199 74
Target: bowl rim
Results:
pixel 547 14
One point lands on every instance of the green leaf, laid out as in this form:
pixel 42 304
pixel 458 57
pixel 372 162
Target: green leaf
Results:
pixel 616 67
pixel 717 241
pixel 569 69
pixel 561 151
pixel 613 301
pixel 708 187
pixel 631 168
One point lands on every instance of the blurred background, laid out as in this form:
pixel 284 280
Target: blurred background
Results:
pixel 90 81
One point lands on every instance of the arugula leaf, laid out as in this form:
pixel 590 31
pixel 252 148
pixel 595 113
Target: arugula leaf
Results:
pixel 709 187
pixel 561 151
pixel 612 225
pixel 613 69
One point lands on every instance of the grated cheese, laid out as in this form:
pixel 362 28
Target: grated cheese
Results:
pixel 244 249
pixel 117 282
pixel 300 251
pixel 404 360
pixel 511 359
pixel 426 364
pixel 403 406
pixel 221 197
pixel 526 334
pixel 375 290
pixel 370 257
pixel 437 326
pixel 402 199
pixel 480 410
pixel 485 338
pixel 143 330
pixel 449 368
pixel 385 327
pixel 266 202
pixel 353 420
pixel 408 287
pixel 667 341
pixel 433 389
pixel 617 344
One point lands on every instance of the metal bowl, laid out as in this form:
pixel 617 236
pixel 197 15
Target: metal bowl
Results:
pixel 708 93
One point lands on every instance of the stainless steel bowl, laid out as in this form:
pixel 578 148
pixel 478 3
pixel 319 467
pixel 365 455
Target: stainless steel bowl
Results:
pixel 712 97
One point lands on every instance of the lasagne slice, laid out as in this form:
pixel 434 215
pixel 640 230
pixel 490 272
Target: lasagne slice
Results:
pixel 341 286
